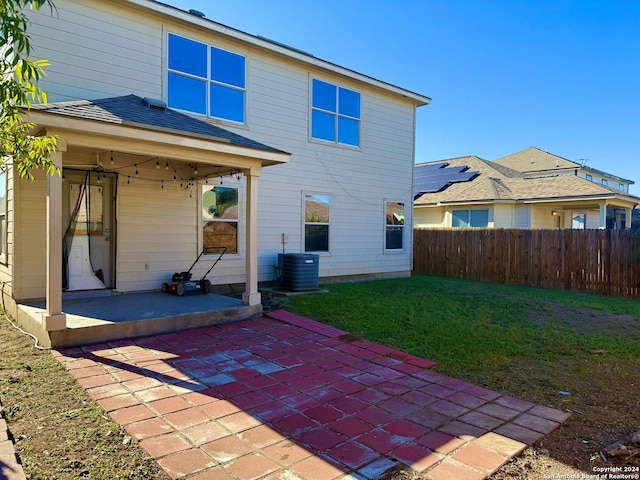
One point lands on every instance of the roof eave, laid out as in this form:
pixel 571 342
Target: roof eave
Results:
pixel 294 54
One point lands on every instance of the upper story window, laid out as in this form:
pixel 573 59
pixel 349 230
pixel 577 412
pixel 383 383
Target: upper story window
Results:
pixel 622 187
pixel 589 177
pixel 335 114
pixel 206 80
pixel 605 182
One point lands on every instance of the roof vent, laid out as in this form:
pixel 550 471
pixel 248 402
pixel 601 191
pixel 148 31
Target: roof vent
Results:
pixel 155 104
pixel 195 13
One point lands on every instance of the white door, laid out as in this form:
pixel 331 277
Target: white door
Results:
pixel 89 234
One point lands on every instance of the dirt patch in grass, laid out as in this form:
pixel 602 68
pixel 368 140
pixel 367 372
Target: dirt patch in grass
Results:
pixel 59 432
pixel 586 320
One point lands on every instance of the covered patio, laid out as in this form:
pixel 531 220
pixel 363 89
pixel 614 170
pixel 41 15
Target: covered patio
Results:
pixel 151 167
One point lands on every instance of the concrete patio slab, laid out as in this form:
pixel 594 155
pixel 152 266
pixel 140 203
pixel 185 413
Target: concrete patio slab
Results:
pixel 283 396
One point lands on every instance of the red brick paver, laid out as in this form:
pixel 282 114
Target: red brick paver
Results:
pixel 286 397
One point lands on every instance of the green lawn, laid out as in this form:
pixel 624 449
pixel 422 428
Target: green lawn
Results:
pixel 523 341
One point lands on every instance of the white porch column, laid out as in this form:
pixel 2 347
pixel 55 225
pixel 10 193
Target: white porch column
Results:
pixel 53 318
pixel 627 218
pixel 251 295
pixel 602 222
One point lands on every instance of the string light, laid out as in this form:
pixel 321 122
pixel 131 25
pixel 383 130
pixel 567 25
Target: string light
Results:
pixel 111 159
pixel 162 184
pixel 128 180
pixel 195 170
pixel 166 167
pixel 157 164
pixel 175 179
pixel 137 171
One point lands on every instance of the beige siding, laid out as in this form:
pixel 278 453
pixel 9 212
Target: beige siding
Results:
pixel 30 238
pixel 429 217
pixel 541 216
pixel 99 49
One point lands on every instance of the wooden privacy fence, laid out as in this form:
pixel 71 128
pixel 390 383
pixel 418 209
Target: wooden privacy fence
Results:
pixel 594 261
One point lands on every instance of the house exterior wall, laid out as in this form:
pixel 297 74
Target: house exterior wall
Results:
pixel 432 217
pixel 102 49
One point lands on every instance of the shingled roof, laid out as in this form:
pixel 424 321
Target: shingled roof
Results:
pixel 131 110
pixel 497 182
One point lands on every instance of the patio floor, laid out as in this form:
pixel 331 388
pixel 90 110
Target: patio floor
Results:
pixel 284 397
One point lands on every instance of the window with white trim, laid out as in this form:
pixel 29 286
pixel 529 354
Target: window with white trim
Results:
pixel 622 187
pixel 605 182
pixel 317 214
pixel 219 218
pixel 205 79
pixel 470 218
pixel 335 113
pixel 589 177
pixel 394 226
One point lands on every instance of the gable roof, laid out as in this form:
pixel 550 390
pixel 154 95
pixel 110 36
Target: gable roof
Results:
pixel 496 182
pixel 134 111
pixel 534 160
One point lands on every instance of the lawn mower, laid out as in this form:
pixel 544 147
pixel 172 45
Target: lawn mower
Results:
pixel 181 282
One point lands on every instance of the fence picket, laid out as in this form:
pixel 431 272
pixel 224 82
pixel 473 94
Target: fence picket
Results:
pixel 594 261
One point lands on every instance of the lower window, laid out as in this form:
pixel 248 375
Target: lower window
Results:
pixel 470 218
pixel 394 228
pixel 316 222
pixel 219 218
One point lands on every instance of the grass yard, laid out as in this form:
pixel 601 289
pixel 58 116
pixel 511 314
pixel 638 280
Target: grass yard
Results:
pixel 526 342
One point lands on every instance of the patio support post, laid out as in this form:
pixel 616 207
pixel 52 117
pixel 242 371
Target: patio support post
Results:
pixel 251 294
pixel 602 223
pixel 627 218
pixel 53 318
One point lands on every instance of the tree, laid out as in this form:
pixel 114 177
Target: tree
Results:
pixel 19 76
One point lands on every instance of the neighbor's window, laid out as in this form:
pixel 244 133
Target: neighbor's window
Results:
pixel 205 79
pixel 605 182
pixel 335 114
pixel 316 222
pixel 219 218
pixel 579 221
pixel 589 177
pixel 3 213
pixel 622 188
pixel 470 218
pixel 394 234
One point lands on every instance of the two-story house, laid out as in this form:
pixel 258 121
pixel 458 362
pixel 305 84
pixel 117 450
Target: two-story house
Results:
pixel 179 134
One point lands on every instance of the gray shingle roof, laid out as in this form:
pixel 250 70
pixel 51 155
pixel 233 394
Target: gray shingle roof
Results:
pixel 501 183
pixel 131 109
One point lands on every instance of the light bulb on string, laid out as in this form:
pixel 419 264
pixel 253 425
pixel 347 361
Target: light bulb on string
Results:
pixel 175 179
pixel 111 159
pixel 166 167
pixel 137 171
pixel 162 184
pixel 157 164
pixel 195 170
pixel 128 180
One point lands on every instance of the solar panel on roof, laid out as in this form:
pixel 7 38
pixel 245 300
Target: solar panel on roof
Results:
pixel 432 180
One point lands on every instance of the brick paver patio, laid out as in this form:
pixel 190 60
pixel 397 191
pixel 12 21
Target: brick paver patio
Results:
pixel 286 397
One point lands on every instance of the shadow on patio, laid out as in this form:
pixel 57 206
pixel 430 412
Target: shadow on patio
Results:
pixel 286 397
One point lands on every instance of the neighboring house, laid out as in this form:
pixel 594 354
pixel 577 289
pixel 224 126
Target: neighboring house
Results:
pixel 472 192
pixel 180 134
pixel 535 162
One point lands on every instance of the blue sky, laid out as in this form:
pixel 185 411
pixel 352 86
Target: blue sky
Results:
pixel 504 75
